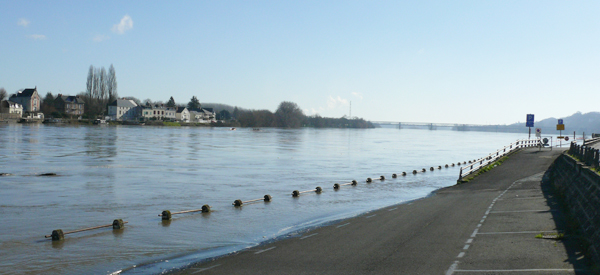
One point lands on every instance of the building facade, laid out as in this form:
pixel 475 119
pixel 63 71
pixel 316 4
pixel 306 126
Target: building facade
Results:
pixel 123 109
pixel 69 105
pixel 9 107
pixel 28 98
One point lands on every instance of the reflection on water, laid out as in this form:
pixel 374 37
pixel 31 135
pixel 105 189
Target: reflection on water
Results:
pixel 134 173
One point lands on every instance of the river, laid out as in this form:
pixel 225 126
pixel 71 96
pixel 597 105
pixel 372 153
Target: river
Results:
pixel 134 173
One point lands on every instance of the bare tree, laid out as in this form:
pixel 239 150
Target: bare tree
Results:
pixel 90 82
pixel 103 97
pixel 101 89
pixel 3 94
pixel 111 84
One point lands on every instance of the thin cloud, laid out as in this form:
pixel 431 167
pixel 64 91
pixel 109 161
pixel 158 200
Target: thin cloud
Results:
pixel 313 111
pixel 333 103
pixel 357 95
pixel 100 38
pixel 123 26
pixel 23 22
pixel 37 36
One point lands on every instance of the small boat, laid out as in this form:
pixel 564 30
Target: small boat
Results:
pixel 99 121
pixel 232 129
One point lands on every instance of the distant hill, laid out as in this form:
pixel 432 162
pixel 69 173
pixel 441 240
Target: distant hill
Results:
pixel 578 122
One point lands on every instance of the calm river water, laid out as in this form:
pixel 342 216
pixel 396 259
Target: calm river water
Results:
pixel 134 173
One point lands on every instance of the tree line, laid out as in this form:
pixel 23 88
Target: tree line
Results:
pixel 289 115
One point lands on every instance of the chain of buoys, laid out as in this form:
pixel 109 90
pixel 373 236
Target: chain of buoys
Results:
pixel 337 185
pixel 166 214
pixel 297 193
pixel 58 234
pixel 266 198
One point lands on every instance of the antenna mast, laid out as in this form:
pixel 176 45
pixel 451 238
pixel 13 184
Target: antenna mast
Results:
pixel 350 109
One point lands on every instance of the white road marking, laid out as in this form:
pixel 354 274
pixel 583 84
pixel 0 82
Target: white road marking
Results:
pixel 452 268
pixel 204 269
pixel 519 211
pixel 264 250
pixel 516 270
pixel 392 209
pixel 460 255
pixel 309 236
pixel 342 225
pixel 370 216
pixel 516 232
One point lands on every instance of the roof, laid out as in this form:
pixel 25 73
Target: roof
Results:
pixel 73 99
pixel 127 103
pixel 26 92
pixel 180 109
pixel 8 103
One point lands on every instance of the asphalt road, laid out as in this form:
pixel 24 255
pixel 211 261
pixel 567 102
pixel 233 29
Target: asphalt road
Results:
pixel 485 226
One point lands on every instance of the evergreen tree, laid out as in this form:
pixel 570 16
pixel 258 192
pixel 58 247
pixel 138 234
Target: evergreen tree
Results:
pixel 171 102
pixel 194 104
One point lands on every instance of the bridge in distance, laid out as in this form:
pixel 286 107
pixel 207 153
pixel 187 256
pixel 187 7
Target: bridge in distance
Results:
pixel 450 126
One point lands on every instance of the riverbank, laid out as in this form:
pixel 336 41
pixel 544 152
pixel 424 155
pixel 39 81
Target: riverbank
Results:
pixel 486 226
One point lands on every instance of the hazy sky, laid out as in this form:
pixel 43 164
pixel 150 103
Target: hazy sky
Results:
pixel 483 62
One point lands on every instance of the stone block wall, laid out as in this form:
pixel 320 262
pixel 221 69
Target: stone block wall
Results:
pixel 580 187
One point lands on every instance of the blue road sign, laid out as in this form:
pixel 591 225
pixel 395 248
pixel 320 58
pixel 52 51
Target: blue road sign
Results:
pixel 560 121
pixel 529 120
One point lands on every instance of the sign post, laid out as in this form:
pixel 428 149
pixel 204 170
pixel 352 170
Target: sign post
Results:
pixel 560 127
pixel 529 123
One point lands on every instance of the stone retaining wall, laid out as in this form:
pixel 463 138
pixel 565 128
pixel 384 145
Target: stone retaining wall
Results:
pixel 580 188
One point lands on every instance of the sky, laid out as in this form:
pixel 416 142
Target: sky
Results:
pixel 475 62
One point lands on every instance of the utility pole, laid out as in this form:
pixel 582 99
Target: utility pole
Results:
pixel 350 109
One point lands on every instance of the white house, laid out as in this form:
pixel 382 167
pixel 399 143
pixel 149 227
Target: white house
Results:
pixel 182 114
pixel 202 116
pixel 9 107
pixel 123 109
pixel 158 112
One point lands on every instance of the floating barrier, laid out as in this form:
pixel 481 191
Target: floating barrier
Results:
pixel 47 175
pixel 431 169
pixel 446 166
pixel 266 198
pixel 394 176
pixel 415 171
pixel 404 173
pixel 58 234
pixel 381 178
pixel 166 214
pixel 423 170
pixel 440 167
pixel 369 180
pixel 297 193
pixel 5 174
pixel 337 185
